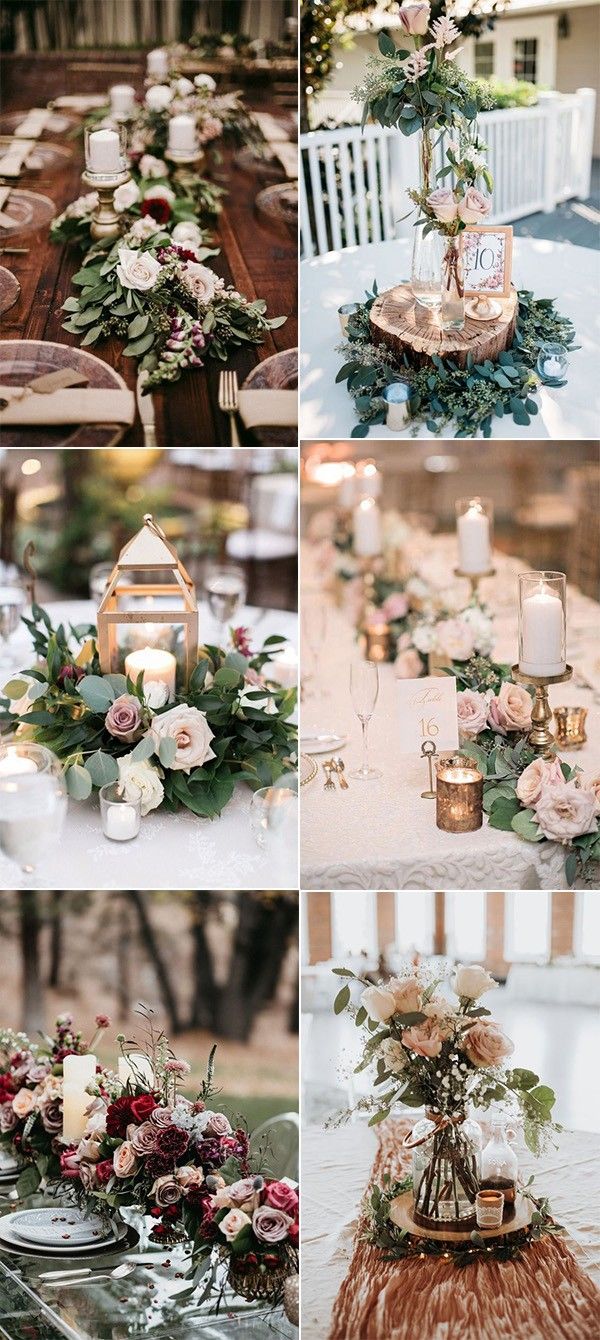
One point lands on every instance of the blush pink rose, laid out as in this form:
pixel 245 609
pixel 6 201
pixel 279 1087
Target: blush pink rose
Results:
pixel 125 1160
pixel 443 204
pixel 8 1118
pixel 218 1125
pixel 474 207
pixel 485 1043
pixel 472 710
pixel 567 811
pixel 143 1138
pixel 23 1102
pixel 408 664
pixel 415 19
pixel 407 994
pixel 233 1223
pixel 425 1039
pixel 535 777
pixel 395 606
pixel 592 784
pixel 510 710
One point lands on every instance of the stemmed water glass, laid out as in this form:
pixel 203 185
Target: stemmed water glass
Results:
pixel 13 599
pixel 32 813
pixel 314 621
pixel 225 587
pixel 364 691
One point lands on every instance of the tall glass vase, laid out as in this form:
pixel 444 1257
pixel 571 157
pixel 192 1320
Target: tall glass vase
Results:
pixel 426 274
pixel 446 1169
pixel 453 286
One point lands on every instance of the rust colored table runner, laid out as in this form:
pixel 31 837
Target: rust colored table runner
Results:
pixel 542 1295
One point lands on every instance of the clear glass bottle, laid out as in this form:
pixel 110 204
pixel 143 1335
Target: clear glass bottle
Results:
pixel 500 1166
pixel 453 286
pixel 426 275
pixel 445 1168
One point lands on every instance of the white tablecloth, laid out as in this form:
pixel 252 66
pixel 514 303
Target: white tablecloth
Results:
pixel 173 851
pixel 555 983
pixel 381 834
pixel 551 269
pixel 335 1171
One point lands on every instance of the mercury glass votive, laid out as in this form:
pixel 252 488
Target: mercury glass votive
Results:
pixel 570 727
pixel 552 364
pixel 377 641
pixel 347 310
pixel 459 795
pixel 489 1208
pixel 121 818
pixel 397 398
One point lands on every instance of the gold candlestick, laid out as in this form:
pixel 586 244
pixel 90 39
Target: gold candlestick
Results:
pixel 540 736
pixel 184 163
pixel 105 221
pixel 474 578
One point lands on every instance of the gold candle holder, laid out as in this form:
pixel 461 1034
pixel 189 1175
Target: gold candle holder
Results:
pixel 459 795
pixel 540 736
pixel 570 726
pixel 474 578
pixel 105 220
pixel 185 163
pixel 376 637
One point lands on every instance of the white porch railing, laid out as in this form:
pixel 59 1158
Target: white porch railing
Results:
pixel 353 184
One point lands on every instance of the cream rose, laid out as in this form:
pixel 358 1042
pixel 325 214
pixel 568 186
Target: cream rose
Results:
pixel 443 204
pixel 23 1102
pixel 510 710
pixel 140 781
pixel 191 732
pixel 184 87
pixel 137 269
pixel 393 1055
pixel 535 777
pixel 233 1223
pixel 187 234
pixel 485 1043
pixel 472 981
pixel 125 196
pixel 415 19
pixel 125 1160
pixel 161 192
pixel 455 639
pixel 379 1003
pixel 158 97
pixel 205 81
pixel 472 710
pixel 567 811
pixel 592 784
pixel 407 994
pixel 153 167
pixel 201 281
pixel 408 664
pixel 474 207
pixel 425 1039
pixel 156 694
pixel 142 229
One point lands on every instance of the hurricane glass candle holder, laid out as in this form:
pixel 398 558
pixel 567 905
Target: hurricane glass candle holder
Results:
pixel 542 624
pixel 459 795
pixel 106 168
pixel 18 757
pixel 121 817
pixel 552 364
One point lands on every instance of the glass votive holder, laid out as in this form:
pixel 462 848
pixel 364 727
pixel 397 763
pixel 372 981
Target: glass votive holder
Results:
pixel 459 795
pixel 474 531
pixel 397 401
pixel 570 727
pixel 376 639
pixel 274 815
pixel 106 151
pixel 552 364
pixel 33 806
pixel 19 757
pixel 489 1208
pixel 542 624
pixel 345 312
pixel 121 817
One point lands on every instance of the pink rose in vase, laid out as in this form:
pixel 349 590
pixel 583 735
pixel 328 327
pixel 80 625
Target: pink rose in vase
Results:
pixel 474 207
pixel 443 204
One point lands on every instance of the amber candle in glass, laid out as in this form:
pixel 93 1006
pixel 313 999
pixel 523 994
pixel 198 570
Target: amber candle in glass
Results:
pixel 377 642
pixel 459 795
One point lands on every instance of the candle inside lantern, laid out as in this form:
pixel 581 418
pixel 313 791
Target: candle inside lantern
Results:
pixel 78 1071
pixel 489 1208
pixel 13 762
pixel 542 633
pixel 122 99
pixel 459 796
pixel 158 666
pixel 182 135
pixel 367 529
pixel 473 529
pixel 157 63
pixel 135 1069
pixel 104 148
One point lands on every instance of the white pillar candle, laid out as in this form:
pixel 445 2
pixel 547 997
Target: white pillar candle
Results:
pixel 542 627
pixel 367 529
pixel 347 492
pixel 157 63
pixel 135 1068
pixel 13 762
pixel 182 134
pixel 121 822
pixel 473 529
pixel 105 152
pixel 157 665
pixel 368 480
pixel 122 99
pixel 78 1071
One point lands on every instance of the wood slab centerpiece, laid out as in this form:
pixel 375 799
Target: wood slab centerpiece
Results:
pixel 398 321
pixel 402 1214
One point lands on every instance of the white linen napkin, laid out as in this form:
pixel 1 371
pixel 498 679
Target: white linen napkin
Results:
pixel 33 124
pixel 73 405
pixel 268 408
pixel 11 162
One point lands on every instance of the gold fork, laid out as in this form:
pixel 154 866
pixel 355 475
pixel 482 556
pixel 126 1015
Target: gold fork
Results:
pixel 228 402
pixel 329 784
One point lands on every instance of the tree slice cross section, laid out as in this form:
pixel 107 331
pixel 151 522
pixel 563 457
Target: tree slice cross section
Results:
pixel 406 328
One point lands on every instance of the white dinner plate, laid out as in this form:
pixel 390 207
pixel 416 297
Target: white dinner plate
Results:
pixel 12 1243
pixel 322 742
pixel 9 1164
pixel 52 1227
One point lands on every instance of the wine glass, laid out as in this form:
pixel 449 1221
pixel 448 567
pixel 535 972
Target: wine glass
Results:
pixel 13 599
pixel 314 624
pixel 364 692
pixel 32 813
pixel 225 587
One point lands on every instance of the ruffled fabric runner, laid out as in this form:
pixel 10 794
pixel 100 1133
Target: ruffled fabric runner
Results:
pixel 542 1295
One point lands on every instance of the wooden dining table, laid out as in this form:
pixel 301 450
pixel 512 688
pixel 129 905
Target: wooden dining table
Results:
pixel 257 257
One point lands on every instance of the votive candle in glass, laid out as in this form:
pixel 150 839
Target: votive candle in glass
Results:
pixel 397 397
pixel 158 666
pixel 489 1208
pixel 21 756
pixel 345 312
pixel 105 151
pixel 121 817
pixel 377 641
pixel 122 99
pixel 459 795
pixel 542 624
pixel 570 727
pixel 552 363
pixel 182 135
pixel 474 519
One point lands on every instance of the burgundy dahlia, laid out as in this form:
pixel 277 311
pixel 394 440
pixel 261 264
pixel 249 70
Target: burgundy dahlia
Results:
pixel 118 1117
pixel 158 208
pixel 158 1164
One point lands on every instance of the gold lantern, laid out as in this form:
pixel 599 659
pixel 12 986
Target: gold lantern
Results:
pixel 148 567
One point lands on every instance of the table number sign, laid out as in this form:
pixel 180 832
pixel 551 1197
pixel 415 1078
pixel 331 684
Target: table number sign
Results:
pixel 487 260
pixel 428 712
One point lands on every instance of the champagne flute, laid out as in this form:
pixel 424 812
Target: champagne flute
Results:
pixel 12 603
pixel 364 691
pixel 225 587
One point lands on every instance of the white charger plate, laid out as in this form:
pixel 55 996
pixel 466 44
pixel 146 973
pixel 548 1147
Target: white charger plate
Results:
pixel 51 1227
pixel 125 1238
pixel 322 743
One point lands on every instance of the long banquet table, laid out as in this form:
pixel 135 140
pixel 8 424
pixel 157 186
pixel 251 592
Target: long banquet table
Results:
pixel 259 261
pixel 381 834
pixel 172 851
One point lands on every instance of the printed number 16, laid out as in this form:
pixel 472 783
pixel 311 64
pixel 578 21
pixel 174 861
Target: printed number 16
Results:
pixel 429 728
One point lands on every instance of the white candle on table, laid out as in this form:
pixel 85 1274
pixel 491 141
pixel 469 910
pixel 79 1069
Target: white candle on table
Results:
pixel 347 492
pixel 135 1068
pixel 542 634
pixel 121 822
pixel 157 665
pixel 78 1071
pixel 283 669
pixel 473 529
pixel 367 529
pixel 157 63
pixel 105 151
pixel 368 480
pixel 182 134
pixel 13 762
pixel 122 99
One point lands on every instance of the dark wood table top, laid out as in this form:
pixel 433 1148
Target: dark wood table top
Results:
pixel 260 260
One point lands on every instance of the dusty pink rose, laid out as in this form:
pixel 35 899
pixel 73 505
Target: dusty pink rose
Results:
pixel 124 717
pixel 510 710
pixel 415 19
pixel 87 1173
pixel 485 1043
pixel 143 1138
pixel 538 775
pixel 425 1039
pixel 395 606
pixel 233 1223
pixel 210 129
pixel 162 1117
pixel 218 1125
pixel 443 204
pixel 455 639
pixel 282 1197
pixel 166 1190
pixel 52 1115
pixel 472 710
pixel 407 994
pixel 125 1160
pixel 23 1102
pixel 408 664
pixel 270 1225
pixel 189 1178
pixel 474 207
pixel 8 1118
pixel 567 811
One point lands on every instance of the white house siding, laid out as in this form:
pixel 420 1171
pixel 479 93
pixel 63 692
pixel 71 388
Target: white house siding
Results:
pixel 577 56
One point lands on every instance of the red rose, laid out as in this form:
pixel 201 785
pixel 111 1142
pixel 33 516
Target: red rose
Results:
pixel 293 1232
pixel 142 1107
pixel 118 1117
pixel 156 1212
pixel 282 1197
pixel 104 1171
pixel 172 1141
pixel 158 208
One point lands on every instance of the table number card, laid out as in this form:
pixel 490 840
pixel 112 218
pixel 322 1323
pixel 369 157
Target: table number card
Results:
pixel 428 712
pixel 487 259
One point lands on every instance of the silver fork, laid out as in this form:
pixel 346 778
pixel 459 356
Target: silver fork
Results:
pixel 228 402
pixel 329 784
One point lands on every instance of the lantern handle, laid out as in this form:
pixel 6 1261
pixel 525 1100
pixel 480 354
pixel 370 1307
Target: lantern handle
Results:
pixel 153 525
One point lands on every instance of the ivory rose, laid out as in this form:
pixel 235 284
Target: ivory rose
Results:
pixel 205 81
pixel 125 1160
pixel 485 1043
pixel 161 192
pixel 187 234
pixel 153 167
pixel 393 1054
pixel 425 1039
pixel 474 207
pixel 140 781
pixel 156 694
pixel 510 710
pixel 567 811
pixel 415 19
pixel 443 204
pixel 142 229
pixel 472 710
pixel 125 196
pixel 408 664
pixel 190 730
pixel 184 87
pixel 233 1223
pixel 535 777
pixel 407 994
pixel 455 639
pixel 201 281
pixel 379 1003
pixel 23 1102
pixel 472 981
pixel 158 97
pixel 592 784
pixel 137 269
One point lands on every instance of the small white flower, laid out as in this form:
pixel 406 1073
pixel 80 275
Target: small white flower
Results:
pixel 156 694
pixel 125 196
pixel 140 781
pixel 153 167
pixel 205 81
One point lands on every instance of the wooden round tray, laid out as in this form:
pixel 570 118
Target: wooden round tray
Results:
pixel 10 289
pixel 398 321
pixel 401 1214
